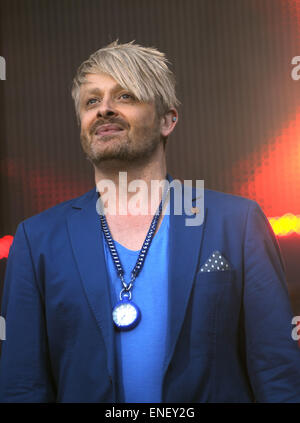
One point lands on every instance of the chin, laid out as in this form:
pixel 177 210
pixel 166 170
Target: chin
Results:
pixel 122 155
pixel 119 150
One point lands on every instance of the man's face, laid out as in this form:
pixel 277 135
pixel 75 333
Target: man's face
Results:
pixel 115 125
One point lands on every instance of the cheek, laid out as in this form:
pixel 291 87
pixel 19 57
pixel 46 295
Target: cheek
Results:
pixel 143 121
pixel 82 128
pixel 85 123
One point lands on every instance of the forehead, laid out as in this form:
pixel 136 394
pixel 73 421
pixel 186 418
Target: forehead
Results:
pixel 100 81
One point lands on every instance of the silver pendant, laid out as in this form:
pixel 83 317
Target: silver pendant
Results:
pixel 126 315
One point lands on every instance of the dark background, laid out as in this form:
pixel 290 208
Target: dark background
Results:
pixel 239 125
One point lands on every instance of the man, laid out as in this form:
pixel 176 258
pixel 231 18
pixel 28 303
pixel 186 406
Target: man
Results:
pixel 142 307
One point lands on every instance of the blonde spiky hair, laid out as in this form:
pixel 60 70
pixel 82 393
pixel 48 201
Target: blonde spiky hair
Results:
pixel 141 70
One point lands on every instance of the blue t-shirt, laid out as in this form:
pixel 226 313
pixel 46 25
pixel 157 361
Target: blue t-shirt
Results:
pixel 141 351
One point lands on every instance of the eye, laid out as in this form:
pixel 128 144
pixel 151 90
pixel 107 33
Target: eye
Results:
pixel 126 96
pixel 91 101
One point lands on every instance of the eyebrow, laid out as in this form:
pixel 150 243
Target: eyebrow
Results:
pixel 97 91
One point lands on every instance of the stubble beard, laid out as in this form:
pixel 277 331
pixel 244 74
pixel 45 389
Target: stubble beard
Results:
pixel 141 146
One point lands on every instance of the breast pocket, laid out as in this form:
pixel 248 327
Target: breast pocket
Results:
pixel 207 302
pixel 218 278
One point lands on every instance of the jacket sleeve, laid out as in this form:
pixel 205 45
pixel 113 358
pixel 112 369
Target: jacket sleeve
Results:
pixel 273 357
pixel 25 373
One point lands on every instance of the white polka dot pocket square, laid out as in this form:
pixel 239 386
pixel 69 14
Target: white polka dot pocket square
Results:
pixel 215 263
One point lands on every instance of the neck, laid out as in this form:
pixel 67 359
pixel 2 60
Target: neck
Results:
pixel 135 176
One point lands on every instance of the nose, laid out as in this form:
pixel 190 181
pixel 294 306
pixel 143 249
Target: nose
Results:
pixel 106 109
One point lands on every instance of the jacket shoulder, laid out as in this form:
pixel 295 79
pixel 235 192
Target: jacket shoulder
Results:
pixel 227 202
pixel 57 213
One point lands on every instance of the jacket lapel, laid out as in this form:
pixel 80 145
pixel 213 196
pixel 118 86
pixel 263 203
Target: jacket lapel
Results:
pixel 86 240
pixel 185 248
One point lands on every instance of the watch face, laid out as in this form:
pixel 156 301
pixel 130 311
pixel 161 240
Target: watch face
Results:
pixel 126 315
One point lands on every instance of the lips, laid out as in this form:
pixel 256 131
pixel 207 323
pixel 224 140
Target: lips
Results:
pixel 108 129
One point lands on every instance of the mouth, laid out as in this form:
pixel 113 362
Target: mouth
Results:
pixel 108 129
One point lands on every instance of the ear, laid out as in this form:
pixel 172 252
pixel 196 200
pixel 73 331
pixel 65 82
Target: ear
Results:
pixel 168 122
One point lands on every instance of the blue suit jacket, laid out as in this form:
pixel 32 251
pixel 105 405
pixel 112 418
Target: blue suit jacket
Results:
pixel 229 336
